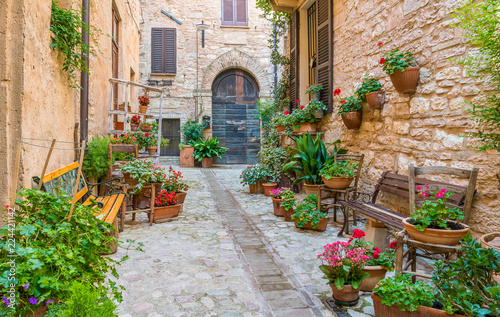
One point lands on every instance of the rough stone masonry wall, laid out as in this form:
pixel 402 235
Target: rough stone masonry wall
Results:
pixel 423 128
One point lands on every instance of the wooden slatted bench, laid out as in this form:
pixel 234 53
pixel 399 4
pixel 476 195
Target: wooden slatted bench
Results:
pixel 397 185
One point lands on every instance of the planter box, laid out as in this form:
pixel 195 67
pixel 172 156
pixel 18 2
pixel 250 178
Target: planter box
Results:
pixel 382 310
pixel 181 197
pixel 186 156
pixel 167 212
pixel 305 127
pixel 323 223
pixel 256 188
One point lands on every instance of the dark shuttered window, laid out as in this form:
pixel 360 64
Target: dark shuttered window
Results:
pixel 324 29
pixel 234 12
pixel 294 57
pixel 163 51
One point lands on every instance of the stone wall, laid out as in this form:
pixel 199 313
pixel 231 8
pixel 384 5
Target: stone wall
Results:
pixel 423 128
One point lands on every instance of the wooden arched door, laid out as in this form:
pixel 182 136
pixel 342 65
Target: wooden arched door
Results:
pixel 234 116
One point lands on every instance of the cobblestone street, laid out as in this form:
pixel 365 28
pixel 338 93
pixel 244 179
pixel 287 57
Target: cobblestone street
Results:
pixel 226 255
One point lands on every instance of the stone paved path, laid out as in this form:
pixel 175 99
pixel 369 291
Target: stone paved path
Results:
pixel 225 255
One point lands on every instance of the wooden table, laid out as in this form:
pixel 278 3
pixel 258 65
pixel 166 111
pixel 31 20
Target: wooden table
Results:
pixel 150 211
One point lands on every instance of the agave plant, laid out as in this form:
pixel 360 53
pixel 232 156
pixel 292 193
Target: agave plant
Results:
pixel 205 148
pixel 311 157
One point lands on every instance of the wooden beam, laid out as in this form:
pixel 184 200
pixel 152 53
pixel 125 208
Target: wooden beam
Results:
pixel 121 81
pixel 46 164
pixel 75 190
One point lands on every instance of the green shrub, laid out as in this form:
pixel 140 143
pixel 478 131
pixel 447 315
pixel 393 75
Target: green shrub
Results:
pixel 192 131
pixel 400 290
pixel 95 163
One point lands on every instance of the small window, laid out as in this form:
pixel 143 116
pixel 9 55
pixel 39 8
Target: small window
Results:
pixel 163 51
pixel 234 12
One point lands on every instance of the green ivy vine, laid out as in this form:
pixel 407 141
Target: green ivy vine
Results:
pixel 280 22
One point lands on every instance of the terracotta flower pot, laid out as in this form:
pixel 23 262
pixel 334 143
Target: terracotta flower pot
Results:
pixel 281 128
pixel 348 296
pixel 167 212
pixel 338 182
pixel 119 126
pixel 134 127
pixel 256 188
pixel 152 150
pixel 382 310
pixel 279 211
pixel 406 82
pixel 180 197
pixel 268 187
pixel 436 236
pixel 377 273
pixel 186 156
pixel 129 108
pixel 143 109
pixel 352 120
pixel 305 127
pixel 288 214
pixel 490 240
pixel 129 180
pixel 121 107
pixel 311 189
pixel 145 128
pixel 376 99
pixel 207 162
pixel 323 223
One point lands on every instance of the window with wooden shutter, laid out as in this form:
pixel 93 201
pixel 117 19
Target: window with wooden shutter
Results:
pixel 325 50
pixel 235 12
pixel 294 57
pixel 163 51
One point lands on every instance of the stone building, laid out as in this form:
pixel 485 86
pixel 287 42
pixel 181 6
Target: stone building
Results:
pixel 221 79
pixel 422 128
pixel 36 100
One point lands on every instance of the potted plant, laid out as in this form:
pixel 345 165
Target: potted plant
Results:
pixel 206 150
pixel 174 184
pixel 268 187
pixel 379 262
pixel 253 176
pixel 350 110
pixel 145 126
pixel 371 92
pixel 140 172
pixel 274 157
pixel 307 216
pixel 287 206
pixel 314 91
pixel 303 120
pixel 279 195
pixel 434 221
pixel 343 268
pixel 151 143
pixel 192 132
pixel 402 70
pixel 340 174
pixel 134 123
pixel 166 206
pixel 317 107
pixel 95 162
pixel 143 104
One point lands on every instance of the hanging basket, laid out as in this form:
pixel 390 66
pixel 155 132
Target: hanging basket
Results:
pixel 352 120
pixel 406 82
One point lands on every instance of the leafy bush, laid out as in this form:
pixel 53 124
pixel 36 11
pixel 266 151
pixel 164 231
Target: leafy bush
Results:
pixel 368 85
pixel 95 163
pixel 254 173
pixel 316 88
pixel 350 104
pixel 274 158
pixel 144 171
pixel 344 168
pixel 208 148
pixel 306 212
pixel 192 131
pixel 400 290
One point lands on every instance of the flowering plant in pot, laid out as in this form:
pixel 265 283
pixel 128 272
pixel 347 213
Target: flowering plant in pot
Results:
pixel 143 104
pixel 140 172
pixel 340 174
pixel 254 176
pixel 174 184
pixel 379 262
pixel 303 119
pixel 314 91
pixel 166 205
pixel 151 142
pixel 433 221
pixel 307 216
pixel 401 68
pixel 279 195
pixel 350 110
pixel 317 107
pixel 134 122
pixel 145 126
pixel 371 92
pixel 343 268
pixel 124 138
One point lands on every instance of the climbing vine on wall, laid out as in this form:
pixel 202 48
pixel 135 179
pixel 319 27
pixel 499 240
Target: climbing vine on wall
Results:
pixel 280 21
pixel 67 39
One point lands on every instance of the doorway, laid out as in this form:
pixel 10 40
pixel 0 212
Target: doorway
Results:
pixel 170 129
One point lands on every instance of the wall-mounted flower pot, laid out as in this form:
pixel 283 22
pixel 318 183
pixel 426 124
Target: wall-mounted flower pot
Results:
pixel 305 127
pixel 186 156
pixel 348 296
pixel 119 126
pixel 376 272
pixel 256 188
pixel 152 150
pixel 143 109
pixel 318 114
pixel 314 95
pixel 436 236
pixel 279 211
pixel 323 223
pixel 145 128
pixel 376 99
pixel 406 82
pixel 268 187
pixel 134 127
pixel 352 120
pixel 207 162
pixel 338 182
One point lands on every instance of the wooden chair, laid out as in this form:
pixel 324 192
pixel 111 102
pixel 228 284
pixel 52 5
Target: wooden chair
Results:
pixel 462 199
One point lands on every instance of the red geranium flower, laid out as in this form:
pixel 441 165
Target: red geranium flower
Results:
pixel 302 107
pixel 146 135
pixel 343 101
pixel 357 234
pixel 296 101
pixel 383 60
pixel 287 112
pixel 380 43
pixel 336 92
pixel 393 244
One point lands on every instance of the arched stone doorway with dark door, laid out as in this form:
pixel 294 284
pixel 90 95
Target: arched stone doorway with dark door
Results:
pixel 234 116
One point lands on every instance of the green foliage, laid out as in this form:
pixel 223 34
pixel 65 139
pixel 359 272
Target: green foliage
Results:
pixel 400 290
pixel 52 253
pixel 144 171
pixel 316 88
pixel 386 259
pixel 434 212
pixel 316 105
pixel 282 193
pixel 84 300
pixel 306 212
pixel 274 159
pixel 350 104
pixel 345 168
pixel 466 285
pixel 395 60
pixel 95 163
pixel 208 148
pixel 266 108
pixel 66 26
pixel 192 131
pixel 312 155
pixel 481 21
pixel 368 85
pixel 254 173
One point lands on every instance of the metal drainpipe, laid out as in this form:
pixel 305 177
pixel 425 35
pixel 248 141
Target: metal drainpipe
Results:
pixel 275 66
pixel 84 80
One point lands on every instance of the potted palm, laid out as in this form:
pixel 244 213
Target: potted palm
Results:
pixel 279 195
pixel 254 176
pixel 343 268
pixel 371 92
pixel 143 104
pixel 402 70
pixel 434 222
pixel 206 149
pixel 350 110
pixel 340 174
pixel 307 216
pixel 166 206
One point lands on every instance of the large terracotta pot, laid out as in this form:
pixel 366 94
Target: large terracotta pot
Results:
pixel 436 236
pixel 207 162
pixel 180 197
pixel 406 82
pixel 312 189
pixel 352 120
pixel 186 156
pixel 152 150
pixel 145 128
pixel 348 296
pixel 490 241
pixel 376 99
pixel 167 212
pixel 120 126
pixel 338 182
pixel 269 187
pixel 288 214
pixel 382 310
pixel 377 273
pixel 323 223
pixel 134 127
pixel 143 109
pixel 279 211
pixel 305 127
pixel 281 128
pixel 129 180
pixel 256 188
